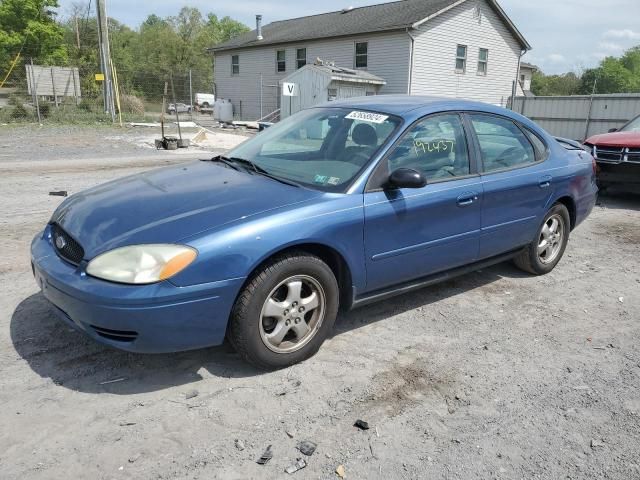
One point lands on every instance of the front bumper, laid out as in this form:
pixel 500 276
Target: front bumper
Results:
pixel 157 318
pixel 627 173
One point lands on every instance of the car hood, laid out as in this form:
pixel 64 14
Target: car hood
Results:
pixel 616 139
pixel 169 204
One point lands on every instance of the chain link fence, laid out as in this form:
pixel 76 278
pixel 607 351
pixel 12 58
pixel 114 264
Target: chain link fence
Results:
pixel 50 94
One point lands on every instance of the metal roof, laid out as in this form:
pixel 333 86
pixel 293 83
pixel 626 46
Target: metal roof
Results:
pixel 396 15
pixel 344 74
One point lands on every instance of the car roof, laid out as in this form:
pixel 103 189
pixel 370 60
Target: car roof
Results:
pixel 414 105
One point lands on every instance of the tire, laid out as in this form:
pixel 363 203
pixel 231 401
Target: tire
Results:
pixel 205 105
pixel 531 259
pixel 258 336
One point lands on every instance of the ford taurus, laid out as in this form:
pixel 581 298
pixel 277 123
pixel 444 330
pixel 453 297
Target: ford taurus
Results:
pixel 337 206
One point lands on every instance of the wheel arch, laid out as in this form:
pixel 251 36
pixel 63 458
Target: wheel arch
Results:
pixel 328 254
pixel 570 203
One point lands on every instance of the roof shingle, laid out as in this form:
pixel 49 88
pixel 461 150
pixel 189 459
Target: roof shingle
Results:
pixel 374 18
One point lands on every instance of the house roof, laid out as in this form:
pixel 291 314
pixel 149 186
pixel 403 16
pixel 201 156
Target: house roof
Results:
pixel 396 15
pixel 529 66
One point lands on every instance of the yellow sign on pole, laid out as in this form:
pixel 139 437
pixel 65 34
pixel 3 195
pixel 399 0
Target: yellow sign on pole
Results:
pixel 99 77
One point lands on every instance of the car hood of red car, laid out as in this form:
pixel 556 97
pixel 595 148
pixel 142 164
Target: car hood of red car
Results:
pixel 616 139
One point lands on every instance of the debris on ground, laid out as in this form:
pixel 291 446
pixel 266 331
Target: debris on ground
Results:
pixel 113 381
pixel 293 468
pixel 266 456
pixel 596 443
pixel 127 424
pixel 191 394
pixel 290 434
pixel 59 193
pixel 307 447
pixel 135 458
pixel 239 444
pixel 621 299
pixel 340 471
pixel 361 424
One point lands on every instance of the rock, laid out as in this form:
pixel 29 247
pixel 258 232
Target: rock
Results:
pixel 135 458
pixel 361 424
pixel 191 394
pixel 307 448
pixel 340 471
pixel 293 468
pixel 239 444
pixel 596 443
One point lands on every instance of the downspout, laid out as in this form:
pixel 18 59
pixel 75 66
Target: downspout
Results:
pixel 517 82
pixel 411 56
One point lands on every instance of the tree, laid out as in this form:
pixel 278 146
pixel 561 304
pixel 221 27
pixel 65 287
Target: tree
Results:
pixel 30 27
pixel 555 85
pixel 610 77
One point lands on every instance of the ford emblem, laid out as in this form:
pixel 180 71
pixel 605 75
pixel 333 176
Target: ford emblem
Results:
pixel 61 243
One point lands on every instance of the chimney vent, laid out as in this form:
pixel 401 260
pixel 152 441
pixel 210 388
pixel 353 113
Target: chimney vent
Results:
pixel 259 27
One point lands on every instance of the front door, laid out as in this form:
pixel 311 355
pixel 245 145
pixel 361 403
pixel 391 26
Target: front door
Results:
pixel 411 233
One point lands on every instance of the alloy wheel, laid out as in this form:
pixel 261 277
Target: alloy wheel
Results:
pixel 292 314
pixel 551 238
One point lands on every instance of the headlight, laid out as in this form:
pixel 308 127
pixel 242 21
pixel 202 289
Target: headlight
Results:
pixel 141 264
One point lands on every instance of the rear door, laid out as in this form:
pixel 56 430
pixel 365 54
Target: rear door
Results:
pixel 516 183
pixel 411 233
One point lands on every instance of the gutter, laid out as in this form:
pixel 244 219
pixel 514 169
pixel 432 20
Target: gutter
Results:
pixel 411 57
pixel 514 91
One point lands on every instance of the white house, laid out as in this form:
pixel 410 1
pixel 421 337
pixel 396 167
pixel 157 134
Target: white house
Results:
pixel 524 80
pixel 456 48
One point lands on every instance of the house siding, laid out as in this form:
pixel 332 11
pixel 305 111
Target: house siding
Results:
pixel 388 57
pixel 435 52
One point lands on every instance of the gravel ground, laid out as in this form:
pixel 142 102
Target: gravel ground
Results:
pixel 497 374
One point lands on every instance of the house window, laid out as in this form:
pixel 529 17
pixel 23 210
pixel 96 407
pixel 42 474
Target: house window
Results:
pixel 522 77
pixel 281 61
pixel 362 49
pixel 461 58
pixel 301 57
pixel 235 64
pixel 483 61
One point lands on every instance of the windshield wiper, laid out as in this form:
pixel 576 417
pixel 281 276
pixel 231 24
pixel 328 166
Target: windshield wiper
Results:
pixel 261 171
pixel 225 160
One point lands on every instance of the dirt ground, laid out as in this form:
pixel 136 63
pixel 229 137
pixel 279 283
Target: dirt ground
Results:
pixel 497 374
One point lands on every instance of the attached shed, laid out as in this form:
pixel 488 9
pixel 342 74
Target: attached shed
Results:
pixel 319 83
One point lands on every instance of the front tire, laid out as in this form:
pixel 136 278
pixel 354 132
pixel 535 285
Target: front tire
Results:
pixel 543 254
pixel 285 311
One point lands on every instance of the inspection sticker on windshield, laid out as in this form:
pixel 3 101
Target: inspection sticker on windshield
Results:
pixel 367 117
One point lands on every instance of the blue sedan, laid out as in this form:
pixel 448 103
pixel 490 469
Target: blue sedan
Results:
pixel 337 206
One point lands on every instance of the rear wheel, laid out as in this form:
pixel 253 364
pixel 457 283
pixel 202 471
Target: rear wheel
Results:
pixel 543 254
pixel 285 312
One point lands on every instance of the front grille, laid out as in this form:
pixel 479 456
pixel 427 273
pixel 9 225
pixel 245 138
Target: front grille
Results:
pixel 115 335
pixel 633 155
pixel 66 246
pixel 609 154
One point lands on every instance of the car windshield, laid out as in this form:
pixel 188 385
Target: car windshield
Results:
pixel 322 148
pixel 632 126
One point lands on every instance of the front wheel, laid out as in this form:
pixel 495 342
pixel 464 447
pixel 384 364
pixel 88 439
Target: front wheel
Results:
pixel 543 254
pixel 285 312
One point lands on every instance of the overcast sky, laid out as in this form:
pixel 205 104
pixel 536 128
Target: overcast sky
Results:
pixel 565 34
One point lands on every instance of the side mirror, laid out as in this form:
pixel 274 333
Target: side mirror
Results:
pixel 406 178
pixel 611 130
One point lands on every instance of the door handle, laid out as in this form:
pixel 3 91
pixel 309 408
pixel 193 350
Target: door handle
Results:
pixel 467 199
pixel 545 182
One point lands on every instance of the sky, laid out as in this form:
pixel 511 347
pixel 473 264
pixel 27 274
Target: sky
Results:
pixel 566 35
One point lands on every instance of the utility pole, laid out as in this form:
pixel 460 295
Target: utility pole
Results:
pixel 75 19
pixel 105 58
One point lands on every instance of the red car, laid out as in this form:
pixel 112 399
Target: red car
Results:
pixel 618 155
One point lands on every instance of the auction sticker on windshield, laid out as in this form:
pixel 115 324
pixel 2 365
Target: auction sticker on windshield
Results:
pixel 367 117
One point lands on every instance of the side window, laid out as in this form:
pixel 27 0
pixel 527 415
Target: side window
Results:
pixel 502 143
pixel 436 146
pixel 362 55
pixel 281 61
pixel 539 146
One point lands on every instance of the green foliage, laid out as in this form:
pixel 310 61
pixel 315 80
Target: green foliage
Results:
pixel 29 27
pixel 613 75
pixel 555 85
